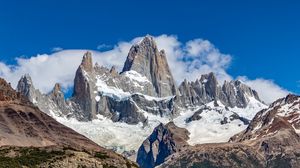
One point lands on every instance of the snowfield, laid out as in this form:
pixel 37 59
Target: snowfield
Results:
pixel 209 128
pixel 114 135
pixel 124 137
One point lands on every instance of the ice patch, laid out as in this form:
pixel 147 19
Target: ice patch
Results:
pixel 136 76
pixel 111 91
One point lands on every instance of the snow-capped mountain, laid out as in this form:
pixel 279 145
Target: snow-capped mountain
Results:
pixel 282 115
pixel 270 140
pixel 119 110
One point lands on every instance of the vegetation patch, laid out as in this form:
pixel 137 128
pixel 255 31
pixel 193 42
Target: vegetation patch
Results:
pixel 101 155
pixel 30 157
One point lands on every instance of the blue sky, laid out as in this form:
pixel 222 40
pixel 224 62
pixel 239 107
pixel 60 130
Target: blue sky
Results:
pixel 262 37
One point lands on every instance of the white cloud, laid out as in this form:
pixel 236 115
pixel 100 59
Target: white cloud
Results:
pixel 193 58
pixel 267 90
pixel 60 67
pixel 186 60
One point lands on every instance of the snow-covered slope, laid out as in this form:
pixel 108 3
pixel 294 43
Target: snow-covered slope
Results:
pixel 212 126
pixel 282 114
pixel 216 123
pixel 118 136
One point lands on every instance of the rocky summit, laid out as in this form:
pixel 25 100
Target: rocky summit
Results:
pixel 145 59
pixel 207 89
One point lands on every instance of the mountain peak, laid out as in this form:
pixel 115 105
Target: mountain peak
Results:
pixel 56 89
pixel 26 78
pixel 147 60
pixel 148 40
pixel 140 55
pixel 26 87
pixel 87 62
pixel 231 94
pixel 113 70
pixel 209 77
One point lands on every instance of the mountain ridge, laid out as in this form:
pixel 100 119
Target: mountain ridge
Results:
pixel 270 140
pixel 129 101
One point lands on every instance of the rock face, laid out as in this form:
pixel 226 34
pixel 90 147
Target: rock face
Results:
pixel 24 125
pixel 145 85
pixel 164 141
pixel 146 59
pixel 271 140
pixel 52 103
pixel 207 89
pixel 98 90
pixel 84 86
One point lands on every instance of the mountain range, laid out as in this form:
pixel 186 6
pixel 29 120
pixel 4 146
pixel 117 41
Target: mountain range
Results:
pixel 143 114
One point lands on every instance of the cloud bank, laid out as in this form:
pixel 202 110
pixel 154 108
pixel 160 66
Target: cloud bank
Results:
pixel 187 60
pixel 267 90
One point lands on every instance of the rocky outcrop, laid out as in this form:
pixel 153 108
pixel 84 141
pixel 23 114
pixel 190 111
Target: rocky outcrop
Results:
pixel 207 89
pixel 147 60
pixel 52 103
pixel 164 141
pixel 57 99
pixel 25 86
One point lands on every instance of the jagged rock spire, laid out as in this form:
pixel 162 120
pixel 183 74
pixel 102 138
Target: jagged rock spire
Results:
pixel 146 59
pixel 113 71
pixel 140 56
pixel 26 88
pixel 87 62
pixel 207 89
pixel 84 84
pixel 57 89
